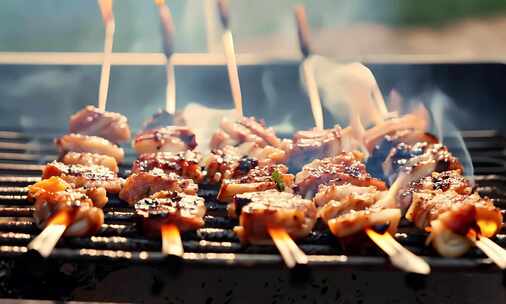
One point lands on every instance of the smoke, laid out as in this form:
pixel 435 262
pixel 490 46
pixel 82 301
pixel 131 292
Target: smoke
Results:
pixel 444 111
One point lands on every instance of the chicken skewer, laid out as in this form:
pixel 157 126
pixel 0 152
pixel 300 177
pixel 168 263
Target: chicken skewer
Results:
pixel 62 210
pixel 401 148
pixel 349 199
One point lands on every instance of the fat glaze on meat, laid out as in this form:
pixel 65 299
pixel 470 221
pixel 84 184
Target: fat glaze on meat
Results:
pixel 88 144
pixel 93 121
pixel 185 211
pixel 84 176
pixel 185 164
pixel 271 208
pixel 346 167
pixel 167 139
pixel 143 184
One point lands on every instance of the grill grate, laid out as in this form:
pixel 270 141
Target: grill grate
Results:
pixel 22 157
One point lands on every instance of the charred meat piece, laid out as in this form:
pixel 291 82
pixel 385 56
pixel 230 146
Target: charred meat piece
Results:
pixel 88 159
pixel 84 176
pixel 185 164
pixel 348 209
pixel 168 139
pixel 314 144
pixel 233 162
pixel 245 129
pixel 55 184
pixel 436 182
pixel 450 216
pixel 143 184
pixel 88 144
pixel 271 208
pixel 162 119
pixel 405 156
pixel 381 150
pixel 346 167
pixel 185 211
pixel 257 179
pixel 54 195
pixel 93 121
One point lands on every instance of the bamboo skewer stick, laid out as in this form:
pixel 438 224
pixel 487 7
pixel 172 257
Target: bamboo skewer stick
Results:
pixel 495 252
pixel 228 45
pixel 108 18
pixel 399 256
pixel 168 49
pixel 45 242
pixel 290 252
pixel 307 69
pixel 171 240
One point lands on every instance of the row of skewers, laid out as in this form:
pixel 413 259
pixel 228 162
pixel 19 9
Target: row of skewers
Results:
pixel 413 175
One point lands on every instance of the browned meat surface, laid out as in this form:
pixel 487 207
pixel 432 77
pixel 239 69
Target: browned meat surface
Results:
pixel 168 139
pixel 406 156
pixel 185 211
pixel 54 195
pixel 185 164
pixel 346 167
pixel 348 209
pixel 84 176
pixel 314 144
pixel 260 178
pixel 245 129
pixel 143 184
pixel 436 182
pixel 263 210
pixel 92 121
pixel 233 162
pixel 88 144
pixel 88 159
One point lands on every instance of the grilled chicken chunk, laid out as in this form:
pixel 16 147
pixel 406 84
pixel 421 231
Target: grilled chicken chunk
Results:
pixel 346 167
pixel 93 121
pixel 382 149
pixel 450 216
pixel 168 139
pixel 185 164
pixel 348 209
pixel 84 176
pixel 143 184
pixel 185 211
pixel 88 159
pixel 88 144
pixel 263 210
pixel 405 156
pixel 53 195
pixel 245 129
pixel 233 162
pixel 257 179
pixel 314 144
pixel 436 182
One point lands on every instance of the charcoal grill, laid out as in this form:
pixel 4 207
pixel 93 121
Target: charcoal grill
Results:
pixel 119 264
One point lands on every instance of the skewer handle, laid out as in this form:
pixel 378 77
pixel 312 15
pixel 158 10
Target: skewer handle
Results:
pixel 228 45
pixel 495 252
pixel 168 49
pixel 45 242
pixel 314 95
pixel 290 252
pixel 399 256
pixel 171 240
pixel 108 18
pixel 302 30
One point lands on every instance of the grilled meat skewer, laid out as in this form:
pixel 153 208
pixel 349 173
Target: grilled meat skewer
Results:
pixel 167 139
pixel 89 159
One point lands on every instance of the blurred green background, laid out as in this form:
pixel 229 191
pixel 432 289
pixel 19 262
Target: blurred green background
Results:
pixel 260 26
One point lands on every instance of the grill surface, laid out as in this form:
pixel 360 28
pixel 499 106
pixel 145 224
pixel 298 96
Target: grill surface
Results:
pixel 118 242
